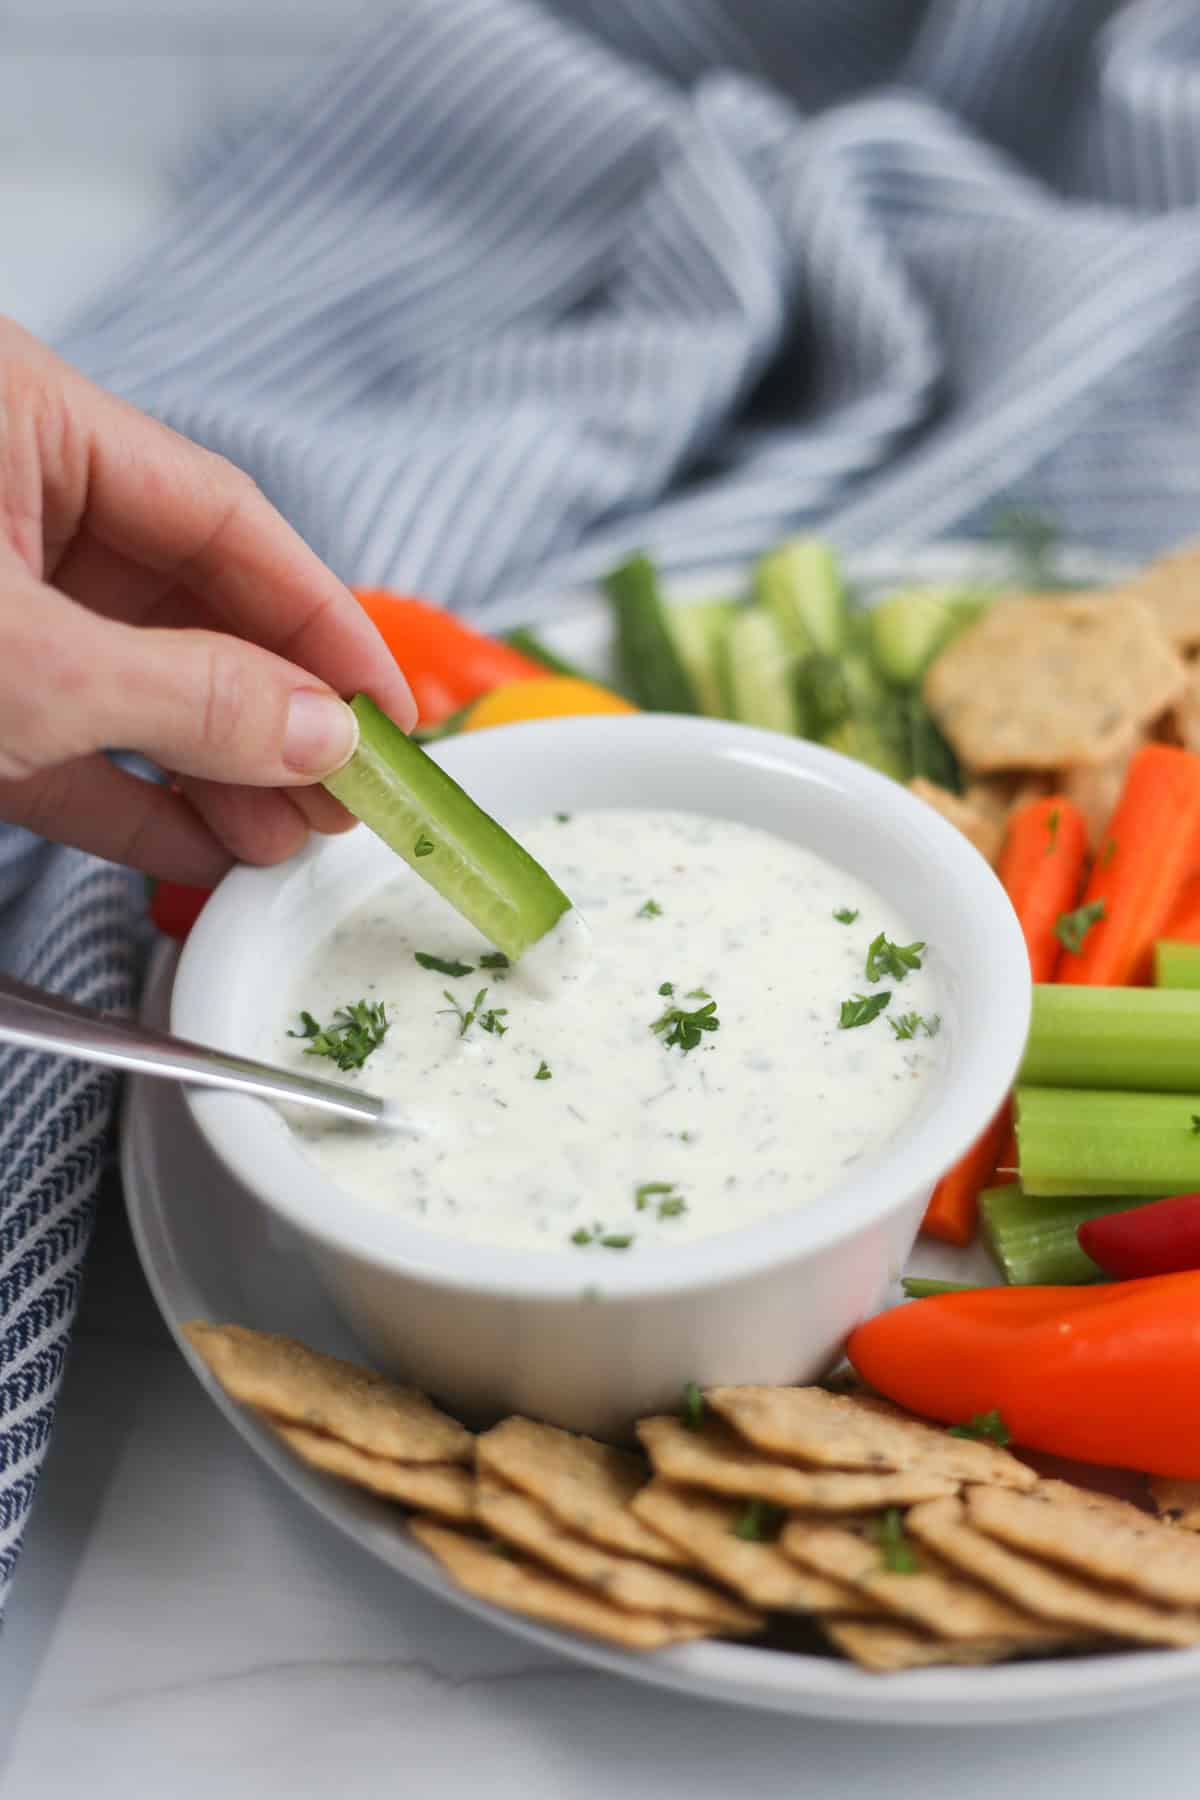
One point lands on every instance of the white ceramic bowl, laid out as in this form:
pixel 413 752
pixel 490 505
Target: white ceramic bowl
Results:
pixel 492 1331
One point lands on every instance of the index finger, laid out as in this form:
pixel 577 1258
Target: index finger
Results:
pixel 195 519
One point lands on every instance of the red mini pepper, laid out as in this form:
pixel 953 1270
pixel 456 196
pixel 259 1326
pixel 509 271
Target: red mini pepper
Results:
pixel 1158 1239
pixel 447 662
pixel 1105 1374
pixel 174 908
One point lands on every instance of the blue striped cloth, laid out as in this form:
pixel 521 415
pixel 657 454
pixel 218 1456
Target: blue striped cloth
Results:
pixel 509 288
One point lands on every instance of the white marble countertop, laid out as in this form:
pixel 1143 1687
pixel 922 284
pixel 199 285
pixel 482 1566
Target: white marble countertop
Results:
pixel 181 1626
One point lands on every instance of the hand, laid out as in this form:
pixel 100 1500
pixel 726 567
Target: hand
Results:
pixel 152 600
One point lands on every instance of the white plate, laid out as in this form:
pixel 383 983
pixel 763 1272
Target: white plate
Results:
pixel 209 1251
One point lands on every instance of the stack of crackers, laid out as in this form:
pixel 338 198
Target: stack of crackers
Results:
pixel 1055 692
pixel 905 1546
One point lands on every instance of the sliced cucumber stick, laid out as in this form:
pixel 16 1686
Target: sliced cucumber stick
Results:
pixel 800 585
pixel 422 814
pixel 758 673
pixel 651 668
pixel 696 630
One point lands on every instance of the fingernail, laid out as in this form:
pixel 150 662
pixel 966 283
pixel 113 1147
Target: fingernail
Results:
pixel 320 735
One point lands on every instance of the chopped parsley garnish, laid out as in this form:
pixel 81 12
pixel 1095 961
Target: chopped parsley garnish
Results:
pixel 896 1553
pixel 760 1523
pixel 845 915
pixel 351 1035
pixel 469 1015
pixel 490 1020
pixel 670 1204
pixel 698 994
pixel 607 1240
pixel 493 959
pixel 643 1195
pixel 896 960
pixel 667 989
pixel 443 964
pixel 562 818
pixel 650 910
pixel 1071 928
pixel 423 846
pixel 685 1028
pixel 1052 830
pixel 909 1024
pixel 544 1073
pixel 692 1410
pixel 984 1425
pixel 861 1009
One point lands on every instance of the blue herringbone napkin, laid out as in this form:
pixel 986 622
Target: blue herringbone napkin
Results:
pixel 509 288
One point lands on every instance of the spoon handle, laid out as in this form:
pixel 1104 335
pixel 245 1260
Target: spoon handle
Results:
pixel 41 1021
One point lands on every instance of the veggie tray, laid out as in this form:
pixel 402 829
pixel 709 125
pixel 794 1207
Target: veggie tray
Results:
pixel 1089 1160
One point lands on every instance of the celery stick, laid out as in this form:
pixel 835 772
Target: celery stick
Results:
pixel 422 814
pixel 1032 1237
pixel 1081 1141
pixel 1106 1037
pixel 1176 965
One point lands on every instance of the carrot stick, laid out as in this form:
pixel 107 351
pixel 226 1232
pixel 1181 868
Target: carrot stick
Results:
pixel 1146 857
pixel 1041 867
pixel 1183 926
pixel 953 1208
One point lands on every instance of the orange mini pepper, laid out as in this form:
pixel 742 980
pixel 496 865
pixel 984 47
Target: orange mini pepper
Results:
pixel 1105 1374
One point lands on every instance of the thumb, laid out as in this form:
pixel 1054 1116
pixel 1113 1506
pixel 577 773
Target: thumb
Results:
pixel 199 703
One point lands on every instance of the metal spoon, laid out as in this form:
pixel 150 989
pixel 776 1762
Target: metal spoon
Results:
pixel 42 1021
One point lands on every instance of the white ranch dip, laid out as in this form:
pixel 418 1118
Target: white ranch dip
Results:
pixel 764 1115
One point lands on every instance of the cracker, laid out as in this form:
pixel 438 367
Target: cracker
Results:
pixel 1178 1501
pixel 887 1648
pixel 446 1489
pixel 585 1484
pixel 842 1431
pixel 1053 1594
pixel 1170 588
pixel 934 1595
pixel 625 1580
pixel 702 1525
pixel 1095 1535
pixel 978 824
pixel 716 1459
pixel 305 1387
pixel 518 1587
pixel 1048 683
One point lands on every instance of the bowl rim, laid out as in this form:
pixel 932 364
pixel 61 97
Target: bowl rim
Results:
pixel 255 1144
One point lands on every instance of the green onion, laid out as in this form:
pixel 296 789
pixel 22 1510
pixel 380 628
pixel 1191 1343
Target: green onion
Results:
pixel 984 1425
pixel 1078 1141
pixel 1176 966
pixel 1114 1037
pixel 1034 1237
